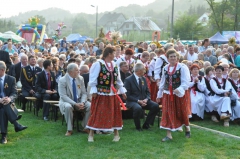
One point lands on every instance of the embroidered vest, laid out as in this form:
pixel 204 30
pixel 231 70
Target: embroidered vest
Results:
pixel 208 86
pixel 219 86
pixel 195 85
pixel 233 84
pixel 164 64
pixel 176 79
pixel 104 79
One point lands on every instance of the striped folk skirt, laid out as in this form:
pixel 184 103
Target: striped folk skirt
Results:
pixel 154 91
pixel 105 113
pixel 174 113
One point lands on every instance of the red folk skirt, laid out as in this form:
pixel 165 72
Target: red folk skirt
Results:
pixel 174 113
pixel 188 104
pixel 154 91
pixel 148 82
pixel 106 113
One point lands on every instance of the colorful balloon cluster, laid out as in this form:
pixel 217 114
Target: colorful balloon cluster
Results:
pixel 59 31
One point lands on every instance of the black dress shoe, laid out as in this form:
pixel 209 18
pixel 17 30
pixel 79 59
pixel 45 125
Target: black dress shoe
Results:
pixel 145 126
pixel 19 117
pixel 187 134
pixel 20 128
pixel 4 140
pixel 139 129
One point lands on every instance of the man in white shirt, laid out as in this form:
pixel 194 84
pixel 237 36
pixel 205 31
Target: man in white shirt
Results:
pixel 25 46
pixel 191 55
pixel 80 50
pixel 182 51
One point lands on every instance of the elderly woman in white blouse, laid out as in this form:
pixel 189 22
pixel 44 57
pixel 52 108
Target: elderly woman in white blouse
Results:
pixel 221 101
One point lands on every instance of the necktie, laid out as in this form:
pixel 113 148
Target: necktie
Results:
pixel 1 88
pixel 140 83
pixel 49 81
pixel 32 71
pixel 74 90
pixel 140 86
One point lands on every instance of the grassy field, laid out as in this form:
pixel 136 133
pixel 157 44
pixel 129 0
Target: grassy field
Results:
pixel 46 140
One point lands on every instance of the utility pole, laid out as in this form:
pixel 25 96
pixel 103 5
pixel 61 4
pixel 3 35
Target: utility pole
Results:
pixel 171 36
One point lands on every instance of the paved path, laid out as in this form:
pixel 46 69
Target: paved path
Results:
pixel 216 132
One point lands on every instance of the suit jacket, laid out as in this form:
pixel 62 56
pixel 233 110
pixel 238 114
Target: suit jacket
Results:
pixel 4 56
pixel 86 79
pixel 15 71
pixel 27 85
pixel 124 75
pixel 133 91
pixel 212 59
pixel 42 85
pixel 10 88
pixel 66 93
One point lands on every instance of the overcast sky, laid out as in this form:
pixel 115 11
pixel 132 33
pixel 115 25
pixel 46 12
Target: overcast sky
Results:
pixel 14 7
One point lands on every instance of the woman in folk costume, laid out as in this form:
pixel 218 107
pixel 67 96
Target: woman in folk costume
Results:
pixel 154 87
pixel 197 87
pixel 225 71
pixel 174 82
pixel 118 53
pixel 235 82
pixel 187 90
pixel 128 58
pixel 105 109
pixel 161 62
pixel 144 60
pixel 57 69
pixel 209 74
pixel 221 101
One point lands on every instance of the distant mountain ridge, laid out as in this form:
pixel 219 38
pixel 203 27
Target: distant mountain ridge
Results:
pixel 159 7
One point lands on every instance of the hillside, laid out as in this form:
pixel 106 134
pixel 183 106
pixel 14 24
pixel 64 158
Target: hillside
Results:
pixel 50 14
pixel 159 8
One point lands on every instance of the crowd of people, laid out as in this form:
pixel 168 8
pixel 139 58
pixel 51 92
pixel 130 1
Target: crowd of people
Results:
pixel 100 80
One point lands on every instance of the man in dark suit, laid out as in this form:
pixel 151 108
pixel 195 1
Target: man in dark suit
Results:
pixel 15 70
pixel 84 72
pixel 138 97
pixel 46 86
pixel 8 94
pixel 4 56
pixel 28 78
pixel 124 70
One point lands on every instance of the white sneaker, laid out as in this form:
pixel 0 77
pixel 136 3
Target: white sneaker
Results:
pixel 224 116
pixel 180 130
pixel 226 123
pixel 90 139
pixel 214 118
pixel 116 138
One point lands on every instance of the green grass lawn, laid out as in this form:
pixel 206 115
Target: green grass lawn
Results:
pixel 46 140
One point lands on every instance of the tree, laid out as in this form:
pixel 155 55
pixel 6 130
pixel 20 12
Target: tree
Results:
pixel 186 27
pixel 234 10
pixel 219 10
pixel 7 25
pixel 191 10
pixel 81 25
pixel 42 19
